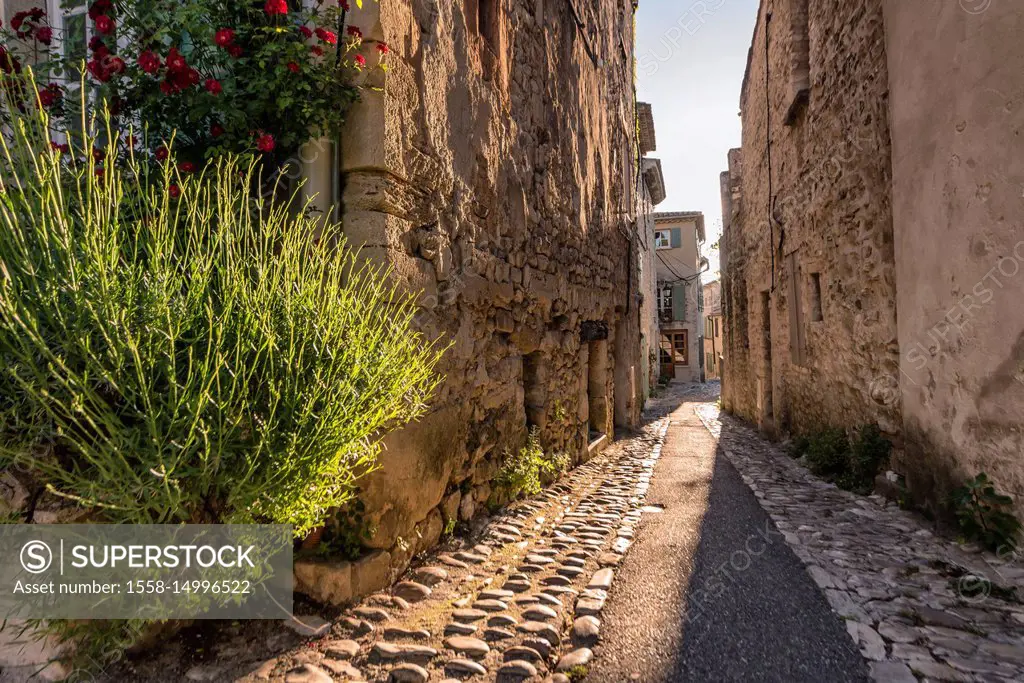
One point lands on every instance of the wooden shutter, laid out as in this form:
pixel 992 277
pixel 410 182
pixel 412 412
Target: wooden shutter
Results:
pixel 677 238
pixel 679 301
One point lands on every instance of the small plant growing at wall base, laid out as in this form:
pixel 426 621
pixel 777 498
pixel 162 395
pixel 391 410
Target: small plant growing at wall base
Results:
pixel 985 515
pixel 522 472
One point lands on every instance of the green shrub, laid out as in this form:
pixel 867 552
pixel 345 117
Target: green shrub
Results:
pixel 869 453
pixel 852 465
pixel 986 516
pixel 828 452
pixel 175 349
pixel 522 471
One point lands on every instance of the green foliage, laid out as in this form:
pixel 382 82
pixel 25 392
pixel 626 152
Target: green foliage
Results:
pixel 827 452
pixel 984 515
pixel 521 472
pixel 201 355
pixel 852 465
pixel 347 532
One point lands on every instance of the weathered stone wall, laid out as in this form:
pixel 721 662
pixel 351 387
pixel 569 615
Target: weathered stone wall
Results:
pixel 957 82
pixel 794 365
pixel 495 171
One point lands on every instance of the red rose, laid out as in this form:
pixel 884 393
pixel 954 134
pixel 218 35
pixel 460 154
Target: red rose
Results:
pixel 44 35
pixel 47 98
pixel 98 70
pixel 266 143
pixel 98 155
pixel 216 130
pixel 8 62
pixel 104 24
pixel 65 148
pixel 168 88
pixel 273 7
pixel 293 67
pixel 360 61
pixel 174 191
pixel 213 86
pixel 187 167
pixel 100 7
pixel 162 153
pixel 383 48
pixel 95 43
pixel 354 32
pixel 235 51
pixel 175 60
pixel 224 37
pixel 306 33
pixel 115 65
pixel 317 50
pixel 149 62
pixel 327 36
pixel 99 172
pixel 129 141
pixel 101 52
pixel 54 146
pixel 344 5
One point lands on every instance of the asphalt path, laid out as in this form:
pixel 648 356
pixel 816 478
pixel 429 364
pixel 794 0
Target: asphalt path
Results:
pixel 710 591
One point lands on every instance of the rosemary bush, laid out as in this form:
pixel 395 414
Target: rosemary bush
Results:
pixel 173 348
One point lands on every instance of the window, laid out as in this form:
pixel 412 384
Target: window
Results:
pixel 709 361
pixel 817 315
pixel 665 302
pixel 681 347
pixel 72 27
pixel 662 239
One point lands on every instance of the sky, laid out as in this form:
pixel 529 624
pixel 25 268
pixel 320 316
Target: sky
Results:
pixel 691 55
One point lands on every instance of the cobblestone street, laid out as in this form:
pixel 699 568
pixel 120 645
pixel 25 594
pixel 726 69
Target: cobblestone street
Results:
pixel 653 562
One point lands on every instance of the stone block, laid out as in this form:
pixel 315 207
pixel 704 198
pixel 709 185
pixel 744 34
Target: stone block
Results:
pixel 371 573
pixel 326 582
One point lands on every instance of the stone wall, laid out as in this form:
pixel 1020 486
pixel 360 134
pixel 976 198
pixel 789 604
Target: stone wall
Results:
pixel 957 82
pixel 808 292
pixel 495 173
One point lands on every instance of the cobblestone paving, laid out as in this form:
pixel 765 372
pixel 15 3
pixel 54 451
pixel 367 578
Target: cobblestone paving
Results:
pixel 521 601
pixel 920 607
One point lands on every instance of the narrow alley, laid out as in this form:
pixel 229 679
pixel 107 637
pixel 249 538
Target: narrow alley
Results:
pixel 693 550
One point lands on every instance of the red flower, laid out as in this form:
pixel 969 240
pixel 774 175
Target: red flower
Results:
pixel 187 167
pixel 98 70
pixel 360 61
pixel 162 153
pixel 175 60
pixel 174 191
pixel 213 86
pixel 149 62
pixel 100 7
pixel 306 33
pixel 168 88
pixel 216 130
pixel 99 172
pixel 383 48
pixel 293 67
pixel 98 155
pixel 115 65
pixel 95 43
pixel 224 37
pixel 49 95
pixel 129 141
pixel 235 51
pixel 101 51
pixel 266 143
pixel 54 146
pixel 317 50
pixel 344 5
pixel 273 7
pixel 44 35
pixel 104 24
pixel 326 36
pixel 8 62
pixel 355 32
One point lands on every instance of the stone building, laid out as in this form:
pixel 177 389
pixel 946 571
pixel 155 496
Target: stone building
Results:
pixel 878 181
pixel 650 193
pixel 496 173
pixel 713 330
pixel 678 236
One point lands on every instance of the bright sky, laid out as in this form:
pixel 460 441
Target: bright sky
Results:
pixel 691 55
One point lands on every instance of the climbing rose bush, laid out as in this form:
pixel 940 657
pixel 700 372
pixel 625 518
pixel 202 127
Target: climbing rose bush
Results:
pixel 215 76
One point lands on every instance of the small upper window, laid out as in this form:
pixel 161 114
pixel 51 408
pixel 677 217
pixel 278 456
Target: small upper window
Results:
pixel 662 239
